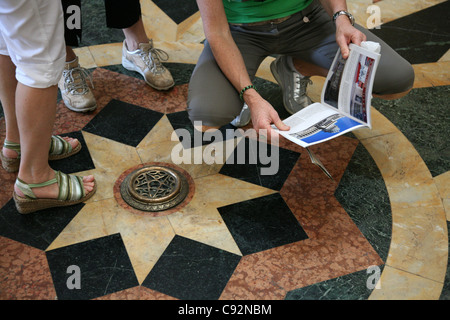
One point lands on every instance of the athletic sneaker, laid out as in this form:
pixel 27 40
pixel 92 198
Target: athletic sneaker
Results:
pixel 243 118
pixel 293 84
pixel 75 91
pixel 147 61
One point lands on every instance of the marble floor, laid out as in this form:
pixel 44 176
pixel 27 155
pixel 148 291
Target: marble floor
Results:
pixel 377 231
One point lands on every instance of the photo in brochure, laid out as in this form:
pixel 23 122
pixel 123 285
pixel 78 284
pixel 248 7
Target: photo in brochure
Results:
pixel 345 100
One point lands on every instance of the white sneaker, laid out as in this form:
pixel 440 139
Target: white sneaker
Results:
pixel 243 118
pixel 147 61
pixel 75 91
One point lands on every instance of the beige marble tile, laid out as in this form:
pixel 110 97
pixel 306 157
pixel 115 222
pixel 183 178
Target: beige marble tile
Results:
pixel 93 221
pixel 400 285
pixel 446 203
pixel 419 243
pixel 154 18
pixel 432 74
pixel 443 184
pixel 161 132
pixel 380 126
pixel 201 221
pixel 445 57
pixel 191 29
pixel 394 9
pixel 264 70
pixel 85 58
pixel 110 160
pixel 407 178
pixel 181 52
pixel 107 54
pixel 106 217
pixel 145 239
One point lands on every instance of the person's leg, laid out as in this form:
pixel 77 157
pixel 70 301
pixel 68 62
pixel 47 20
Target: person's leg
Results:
pixel 7 97
pixel 138 51
pixel 76 82
pixel 394 76
pixel 35 130
pixel 135 35
pixel 74 85
pixel 37 72
pixel 212 99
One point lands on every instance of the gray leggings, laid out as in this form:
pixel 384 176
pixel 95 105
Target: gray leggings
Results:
pixel 212 98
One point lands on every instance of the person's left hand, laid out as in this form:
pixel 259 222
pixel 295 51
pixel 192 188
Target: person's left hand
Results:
pixel 346 34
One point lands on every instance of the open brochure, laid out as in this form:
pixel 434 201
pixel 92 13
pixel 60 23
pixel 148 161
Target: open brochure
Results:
pixel 345 100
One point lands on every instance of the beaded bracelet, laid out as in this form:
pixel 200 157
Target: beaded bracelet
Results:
pixel 241 95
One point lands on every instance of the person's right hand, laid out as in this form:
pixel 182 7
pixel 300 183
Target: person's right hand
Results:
pixel 263 115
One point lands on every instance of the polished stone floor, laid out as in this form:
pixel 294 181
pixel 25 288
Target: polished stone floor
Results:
pixel 239 234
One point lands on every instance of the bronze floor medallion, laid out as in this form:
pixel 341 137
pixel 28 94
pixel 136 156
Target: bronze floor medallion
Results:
pixel 154 188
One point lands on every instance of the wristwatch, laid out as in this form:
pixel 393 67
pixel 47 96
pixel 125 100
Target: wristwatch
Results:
pixel 348 14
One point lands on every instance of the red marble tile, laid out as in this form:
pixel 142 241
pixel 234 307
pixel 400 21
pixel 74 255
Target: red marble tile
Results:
pixel 24 273
pixel 334 247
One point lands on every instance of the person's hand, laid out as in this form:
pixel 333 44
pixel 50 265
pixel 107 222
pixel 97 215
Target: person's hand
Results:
pixel 346 34
pixel 263 115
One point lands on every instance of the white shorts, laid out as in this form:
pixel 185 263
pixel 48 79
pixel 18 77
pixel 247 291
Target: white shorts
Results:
pixel 32 34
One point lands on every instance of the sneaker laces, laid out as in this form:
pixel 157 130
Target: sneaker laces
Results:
pixel 75 80
pixel 152 58
pixel 301 82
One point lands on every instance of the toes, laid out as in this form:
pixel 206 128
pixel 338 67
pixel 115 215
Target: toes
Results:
pixel 73 141
pixel 89 178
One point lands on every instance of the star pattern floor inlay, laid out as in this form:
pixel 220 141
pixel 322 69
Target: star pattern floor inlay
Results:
pixel 240 234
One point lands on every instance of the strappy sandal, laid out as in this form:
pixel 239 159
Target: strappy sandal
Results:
pixel 11 164
pixel 71 191
pixel 59 149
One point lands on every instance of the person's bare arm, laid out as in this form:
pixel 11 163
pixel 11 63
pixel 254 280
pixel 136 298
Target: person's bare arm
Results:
pixel 231 63
pixel 345 32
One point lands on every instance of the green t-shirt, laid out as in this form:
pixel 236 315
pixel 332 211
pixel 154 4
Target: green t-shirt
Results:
pixel 254 11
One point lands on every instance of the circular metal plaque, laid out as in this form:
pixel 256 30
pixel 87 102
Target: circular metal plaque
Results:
pixel 154 188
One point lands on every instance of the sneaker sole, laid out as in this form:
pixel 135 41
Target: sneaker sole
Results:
pixel 131 67
pixel 81 110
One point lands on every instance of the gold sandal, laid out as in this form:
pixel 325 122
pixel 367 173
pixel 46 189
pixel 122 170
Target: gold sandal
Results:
pixel 71 191
pixel 59 149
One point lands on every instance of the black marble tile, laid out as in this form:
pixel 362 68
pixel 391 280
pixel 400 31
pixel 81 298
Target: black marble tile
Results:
pixel 420 37
pixel 190 137
pixel 37 229
pixel 175 11
pixel 445 293
pixel 423 116
pixel 81 161
pixel 259 163
pixel 262 223
pixel 355 286
pixel 93 25
pixel 190 270
pixel 363 194
pixel 102 264
pixel 123 122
